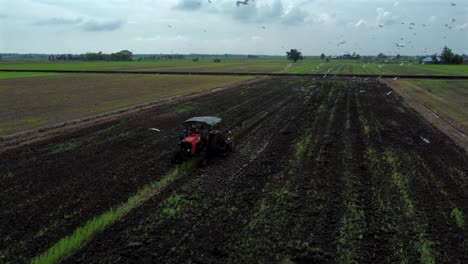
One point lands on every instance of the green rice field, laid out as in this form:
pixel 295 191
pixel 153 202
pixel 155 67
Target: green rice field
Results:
pixel 252 65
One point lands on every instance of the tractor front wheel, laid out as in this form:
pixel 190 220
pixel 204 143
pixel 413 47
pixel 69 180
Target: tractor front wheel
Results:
pixel 179 157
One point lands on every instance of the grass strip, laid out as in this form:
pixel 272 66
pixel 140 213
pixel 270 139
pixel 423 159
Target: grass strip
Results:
pixel 70 244
pixel 300 148
pixel 185 108
pixel 66 147
pixel 458 215
pixel 401 180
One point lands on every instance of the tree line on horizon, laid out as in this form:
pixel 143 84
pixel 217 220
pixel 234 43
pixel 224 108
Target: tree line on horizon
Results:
pixel 123 55
pixel 446 57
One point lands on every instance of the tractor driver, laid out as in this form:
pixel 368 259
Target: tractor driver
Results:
pixel 183 135
pixel 204 132
pixel 188 131
pixel 193 129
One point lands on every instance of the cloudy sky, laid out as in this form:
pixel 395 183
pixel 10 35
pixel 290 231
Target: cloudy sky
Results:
pixel 262 27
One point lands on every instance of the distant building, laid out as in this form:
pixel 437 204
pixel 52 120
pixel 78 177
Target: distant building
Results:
pixel 428 60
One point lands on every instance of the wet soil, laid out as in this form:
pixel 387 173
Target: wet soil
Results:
pixel 324 171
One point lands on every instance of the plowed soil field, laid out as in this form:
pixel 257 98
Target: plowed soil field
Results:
pixel 324 171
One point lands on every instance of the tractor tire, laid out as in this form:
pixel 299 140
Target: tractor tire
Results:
pixel 176 158
pixel 179 157
pixel 216 145
pixel 230 147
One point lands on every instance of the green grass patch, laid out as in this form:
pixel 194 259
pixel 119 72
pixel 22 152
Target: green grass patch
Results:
pixel 353 219
pixel 447 97
pixel 29 104
pixel 365 125
pixel 400 180
pixel 7 175
pixel 247 65
pixel 348 123
pixel 68 245
pixel 185 108
pixel 322 108
pixel 8 127
pixel 301 146
pixel 298 82
pixel 426 255
pixel 260 237
pixel 458 215
pixel 65 147
pixel 116 137
pixel 280 193
pixel 260 213
pixel 203 65
pixel 175 205
pixel 12 75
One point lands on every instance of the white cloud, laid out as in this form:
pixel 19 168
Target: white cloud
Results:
pixel 222 27
pixel 361 22
pixel 270 11
pixel 461 27
pixel 257 39
pixel 168 39
pixel 158 37
pixel 294 16
pixel 385 17
pixel 322 18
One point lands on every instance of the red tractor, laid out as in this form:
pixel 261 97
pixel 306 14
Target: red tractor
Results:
pixel 203 136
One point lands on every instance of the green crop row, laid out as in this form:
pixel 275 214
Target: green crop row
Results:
pixel 68 245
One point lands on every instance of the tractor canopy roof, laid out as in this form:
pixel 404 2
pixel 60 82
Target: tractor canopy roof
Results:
pixel 208 120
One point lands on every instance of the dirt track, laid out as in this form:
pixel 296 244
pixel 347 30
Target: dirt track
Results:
pixel 364 186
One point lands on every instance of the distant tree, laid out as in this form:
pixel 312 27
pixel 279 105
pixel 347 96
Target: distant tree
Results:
pixel 434 59
pixel 217 60
pixel 398 56
pixel 355 56
pixel 322 56
pixel 447 55
pixel 195 59
pixel 348 56
pixel 123 55
pixel 457 59
pixel 294 55
pixel 252 56
pixel 328 59
pixel 381 56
